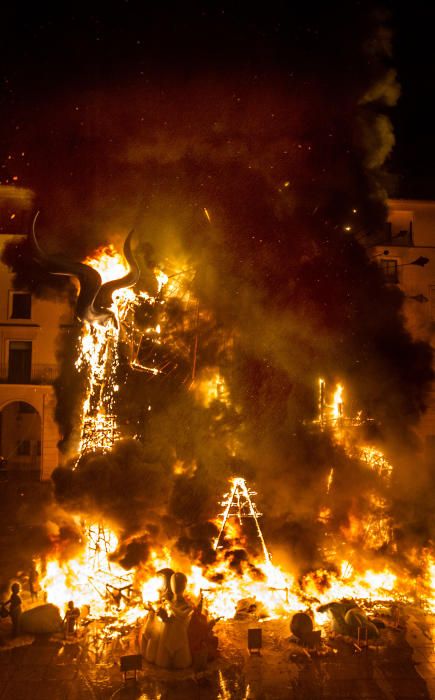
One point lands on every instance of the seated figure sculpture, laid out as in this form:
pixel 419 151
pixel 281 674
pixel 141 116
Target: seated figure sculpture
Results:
pixel 173 644
pixel 347 618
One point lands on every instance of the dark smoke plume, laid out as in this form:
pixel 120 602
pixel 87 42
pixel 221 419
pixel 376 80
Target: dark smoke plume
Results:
pixel 122 486
pixel 37 526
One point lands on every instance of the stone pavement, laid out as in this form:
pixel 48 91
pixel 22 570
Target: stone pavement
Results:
pixel 43 670
pixel 401 667
pixel 420 634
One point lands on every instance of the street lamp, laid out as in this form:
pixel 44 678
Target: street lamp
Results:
pixel 419 262
pixel 384 252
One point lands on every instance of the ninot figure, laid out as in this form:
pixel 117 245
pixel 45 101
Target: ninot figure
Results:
pixel 15 610
pixel 174 650
pixel 33 582
pixel 70 621
pixel 154 622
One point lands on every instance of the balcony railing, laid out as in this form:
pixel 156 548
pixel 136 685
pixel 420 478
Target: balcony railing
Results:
pixel 39 374
pixel 393 237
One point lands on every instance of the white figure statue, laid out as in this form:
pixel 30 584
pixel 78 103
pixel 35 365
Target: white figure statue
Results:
pixel 154 623
pixel 173 646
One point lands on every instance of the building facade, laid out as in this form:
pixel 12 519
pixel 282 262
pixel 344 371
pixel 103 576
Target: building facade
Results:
pixel 406 253
pixel 29 335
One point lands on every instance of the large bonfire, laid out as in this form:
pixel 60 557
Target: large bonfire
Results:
pixel 242 570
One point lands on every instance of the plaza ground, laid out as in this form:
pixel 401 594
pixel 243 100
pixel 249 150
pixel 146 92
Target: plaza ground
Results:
pixel 401 666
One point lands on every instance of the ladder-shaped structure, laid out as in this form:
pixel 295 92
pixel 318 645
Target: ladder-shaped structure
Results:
pixel 107 583
pixel 238 504
pixel 99 548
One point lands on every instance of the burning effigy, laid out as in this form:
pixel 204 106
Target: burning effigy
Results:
pixel 130 580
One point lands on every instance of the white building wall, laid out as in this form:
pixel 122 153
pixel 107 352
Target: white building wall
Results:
pixel 42 329
pixel 416 217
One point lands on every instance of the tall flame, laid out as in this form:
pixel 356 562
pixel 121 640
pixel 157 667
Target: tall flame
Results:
pixel 108 263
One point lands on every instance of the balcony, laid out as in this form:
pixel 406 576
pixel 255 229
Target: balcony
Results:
pixel 393 236
pixel 36 374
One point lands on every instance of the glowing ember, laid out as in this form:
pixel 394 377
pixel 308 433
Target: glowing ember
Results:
pixel 329 479
pixel 211 386
pixel 376 460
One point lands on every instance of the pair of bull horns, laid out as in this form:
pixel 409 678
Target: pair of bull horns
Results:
pixel 95 298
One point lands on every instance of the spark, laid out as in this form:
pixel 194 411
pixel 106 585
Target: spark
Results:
pixel 329 480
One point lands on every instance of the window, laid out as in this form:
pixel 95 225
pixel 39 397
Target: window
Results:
pixel 388 231
pixel 21 305
pixel 401 225
pixel 23 448
pixel 20 361
pixel 389 268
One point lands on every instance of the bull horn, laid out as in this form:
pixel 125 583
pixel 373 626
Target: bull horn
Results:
pixel 103 299
pixel 89 279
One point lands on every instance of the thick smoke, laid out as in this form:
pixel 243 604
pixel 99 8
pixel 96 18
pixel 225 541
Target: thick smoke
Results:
pixel 266 180
pixel 38 527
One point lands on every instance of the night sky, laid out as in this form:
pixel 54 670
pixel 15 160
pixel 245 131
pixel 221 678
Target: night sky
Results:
pixel 414 117
pixel 54 55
